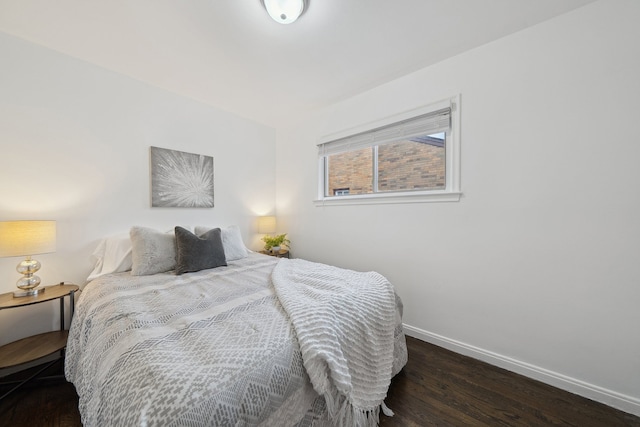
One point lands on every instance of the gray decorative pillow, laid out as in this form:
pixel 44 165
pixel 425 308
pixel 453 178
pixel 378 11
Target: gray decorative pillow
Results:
pixel 199 253
pixel 152 251
pixel 234 247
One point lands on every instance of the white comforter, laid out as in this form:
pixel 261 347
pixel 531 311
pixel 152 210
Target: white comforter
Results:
pixel 207 348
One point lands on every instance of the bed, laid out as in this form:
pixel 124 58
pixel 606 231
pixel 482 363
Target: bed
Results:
pixel 204 348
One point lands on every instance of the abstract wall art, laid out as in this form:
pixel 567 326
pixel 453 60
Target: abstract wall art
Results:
pixel 180 179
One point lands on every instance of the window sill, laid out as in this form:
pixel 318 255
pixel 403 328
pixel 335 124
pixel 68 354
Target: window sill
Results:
pixel 388 198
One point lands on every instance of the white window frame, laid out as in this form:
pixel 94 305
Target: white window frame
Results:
pixel 451 192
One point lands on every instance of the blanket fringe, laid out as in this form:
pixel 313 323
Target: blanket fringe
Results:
pixel 342 412
pixel 385 410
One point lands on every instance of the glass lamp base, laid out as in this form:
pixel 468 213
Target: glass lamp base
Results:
pixel 28 292
pixel 29 282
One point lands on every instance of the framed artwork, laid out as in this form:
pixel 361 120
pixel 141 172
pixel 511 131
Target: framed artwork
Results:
pixel 181 180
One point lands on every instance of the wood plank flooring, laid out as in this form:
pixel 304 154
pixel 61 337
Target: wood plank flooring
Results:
pixel 436 388
pixel 442 388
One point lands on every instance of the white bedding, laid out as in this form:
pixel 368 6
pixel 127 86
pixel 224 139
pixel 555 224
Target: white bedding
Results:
pixel 208 348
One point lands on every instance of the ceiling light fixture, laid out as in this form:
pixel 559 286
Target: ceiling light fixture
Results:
pixel 284 11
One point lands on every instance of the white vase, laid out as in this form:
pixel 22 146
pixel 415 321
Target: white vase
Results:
pixel 275 249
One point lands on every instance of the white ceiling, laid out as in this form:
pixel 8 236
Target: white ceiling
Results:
pixel 230 54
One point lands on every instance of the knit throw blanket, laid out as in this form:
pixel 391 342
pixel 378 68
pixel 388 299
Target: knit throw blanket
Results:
pixel 344 321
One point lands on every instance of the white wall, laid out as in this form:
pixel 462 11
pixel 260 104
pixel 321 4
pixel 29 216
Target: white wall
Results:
pixel 74 147
pixel 536 268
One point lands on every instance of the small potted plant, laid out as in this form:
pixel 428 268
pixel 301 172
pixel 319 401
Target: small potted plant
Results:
pixel 274 243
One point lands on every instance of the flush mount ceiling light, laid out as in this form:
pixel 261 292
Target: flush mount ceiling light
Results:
pixel 284 11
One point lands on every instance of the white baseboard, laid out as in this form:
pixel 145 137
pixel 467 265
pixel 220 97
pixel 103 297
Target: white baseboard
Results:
pixel 599 394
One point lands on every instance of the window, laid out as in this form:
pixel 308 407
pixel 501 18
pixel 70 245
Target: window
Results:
pixel 413 157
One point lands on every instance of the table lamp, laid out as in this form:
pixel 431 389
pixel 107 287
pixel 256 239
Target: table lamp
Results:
pixel 26 238
pixel 267 224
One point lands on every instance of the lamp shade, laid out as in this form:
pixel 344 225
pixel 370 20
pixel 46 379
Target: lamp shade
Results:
pixel 23 238
pixel 267 224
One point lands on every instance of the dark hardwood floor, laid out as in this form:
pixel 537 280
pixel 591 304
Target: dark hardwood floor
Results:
pixel 436 388
pixel 442 388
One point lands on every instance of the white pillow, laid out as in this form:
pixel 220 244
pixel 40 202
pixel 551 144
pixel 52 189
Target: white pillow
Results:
pixel 152 251
pixel 232 243
pixel 113 255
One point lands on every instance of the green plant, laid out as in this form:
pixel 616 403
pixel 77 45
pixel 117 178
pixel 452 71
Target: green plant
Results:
pixel 277 240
